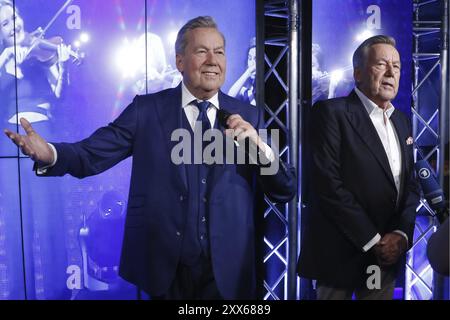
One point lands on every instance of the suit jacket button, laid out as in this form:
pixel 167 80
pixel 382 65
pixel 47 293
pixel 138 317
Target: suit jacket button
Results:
pixel 181 198
pixel 178 233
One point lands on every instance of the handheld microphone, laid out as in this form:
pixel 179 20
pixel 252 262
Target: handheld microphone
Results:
pixel 222 116
pixel 432 191
pixel 251 149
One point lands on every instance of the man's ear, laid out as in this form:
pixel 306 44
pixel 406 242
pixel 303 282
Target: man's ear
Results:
pixel 179 62
pixel 357 75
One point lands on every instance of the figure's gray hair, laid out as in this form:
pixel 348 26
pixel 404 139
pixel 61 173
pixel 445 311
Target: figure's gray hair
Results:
pixel 360 55
pixel 199 22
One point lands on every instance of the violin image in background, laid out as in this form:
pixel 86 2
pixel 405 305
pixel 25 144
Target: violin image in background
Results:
pixel 34 62
pixel 34 45
pixel 25 45
pixel 46 50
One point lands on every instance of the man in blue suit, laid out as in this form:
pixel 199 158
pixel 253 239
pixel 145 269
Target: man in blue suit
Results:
pixel 364 198
pixel 189 231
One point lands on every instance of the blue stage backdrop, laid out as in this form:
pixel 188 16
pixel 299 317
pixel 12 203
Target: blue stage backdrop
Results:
pixel 340 26
pixel 72 229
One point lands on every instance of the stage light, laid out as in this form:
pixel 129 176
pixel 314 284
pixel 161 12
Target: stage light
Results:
pixel 76 43
pixel 172 38
pixel 130 58
pixel 84 37
pixel 363 35
pixel 336 75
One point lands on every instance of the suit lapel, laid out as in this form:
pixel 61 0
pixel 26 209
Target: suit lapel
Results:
pixel 402 134
pixel 169 114
pixel 364 127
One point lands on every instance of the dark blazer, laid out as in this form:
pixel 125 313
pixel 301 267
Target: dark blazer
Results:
pixel 438 250
pixel 157 204
pixel 354 195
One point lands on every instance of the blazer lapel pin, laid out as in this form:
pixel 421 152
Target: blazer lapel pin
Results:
pixel 409 141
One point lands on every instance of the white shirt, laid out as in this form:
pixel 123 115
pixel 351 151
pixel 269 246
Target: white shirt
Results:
pixel 191 110
pixel 388 136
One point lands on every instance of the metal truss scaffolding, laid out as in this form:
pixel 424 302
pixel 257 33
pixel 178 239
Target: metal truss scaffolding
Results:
pixel 430 126
pixel 280 101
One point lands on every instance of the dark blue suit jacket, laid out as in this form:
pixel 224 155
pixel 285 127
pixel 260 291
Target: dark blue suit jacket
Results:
pixel 157 205
pixel 354 194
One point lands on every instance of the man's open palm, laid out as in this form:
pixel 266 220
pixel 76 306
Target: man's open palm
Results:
pixel 32 144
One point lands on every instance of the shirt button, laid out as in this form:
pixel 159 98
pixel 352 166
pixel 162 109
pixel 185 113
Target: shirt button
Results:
pixel 203 180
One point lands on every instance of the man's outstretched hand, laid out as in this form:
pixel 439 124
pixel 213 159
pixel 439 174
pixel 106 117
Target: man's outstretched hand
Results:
pixel 32 144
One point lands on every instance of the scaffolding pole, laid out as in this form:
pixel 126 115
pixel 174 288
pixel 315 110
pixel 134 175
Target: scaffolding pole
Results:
pixel 294 129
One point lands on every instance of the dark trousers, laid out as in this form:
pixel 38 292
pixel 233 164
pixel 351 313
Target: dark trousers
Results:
pixel 386 291
pixel 193 282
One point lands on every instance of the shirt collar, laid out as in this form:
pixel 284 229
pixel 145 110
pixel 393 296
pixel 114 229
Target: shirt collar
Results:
pixel 187 97
pixel 372 106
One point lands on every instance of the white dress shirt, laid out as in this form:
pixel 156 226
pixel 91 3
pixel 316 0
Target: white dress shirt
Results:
pixel 191 110
pixel 381 120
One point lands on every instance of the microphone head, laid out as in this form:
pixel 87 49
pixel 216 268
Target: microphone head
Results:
pixel 222 116
pixel 432 191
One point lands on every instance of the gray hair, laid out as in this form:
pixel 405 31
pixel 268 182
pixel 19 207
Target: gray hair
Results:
pixel 199 22
pixel 360 55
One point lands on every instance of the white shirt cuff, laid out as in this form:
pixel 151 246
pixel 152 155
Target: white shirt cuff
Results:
pixel 264 158
pixel 43 170
pixel 403 234
pixel 268 152
pixel 372 242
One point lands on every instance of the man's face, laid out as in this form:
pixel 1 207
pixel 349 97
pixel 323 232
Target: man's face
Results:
pixel 203 63
pixel 379 77
pixel 8 27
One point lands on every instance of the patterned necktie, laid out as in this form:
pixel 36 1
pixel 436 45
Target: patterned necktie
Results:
pixel 202 116
pixel 203 119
